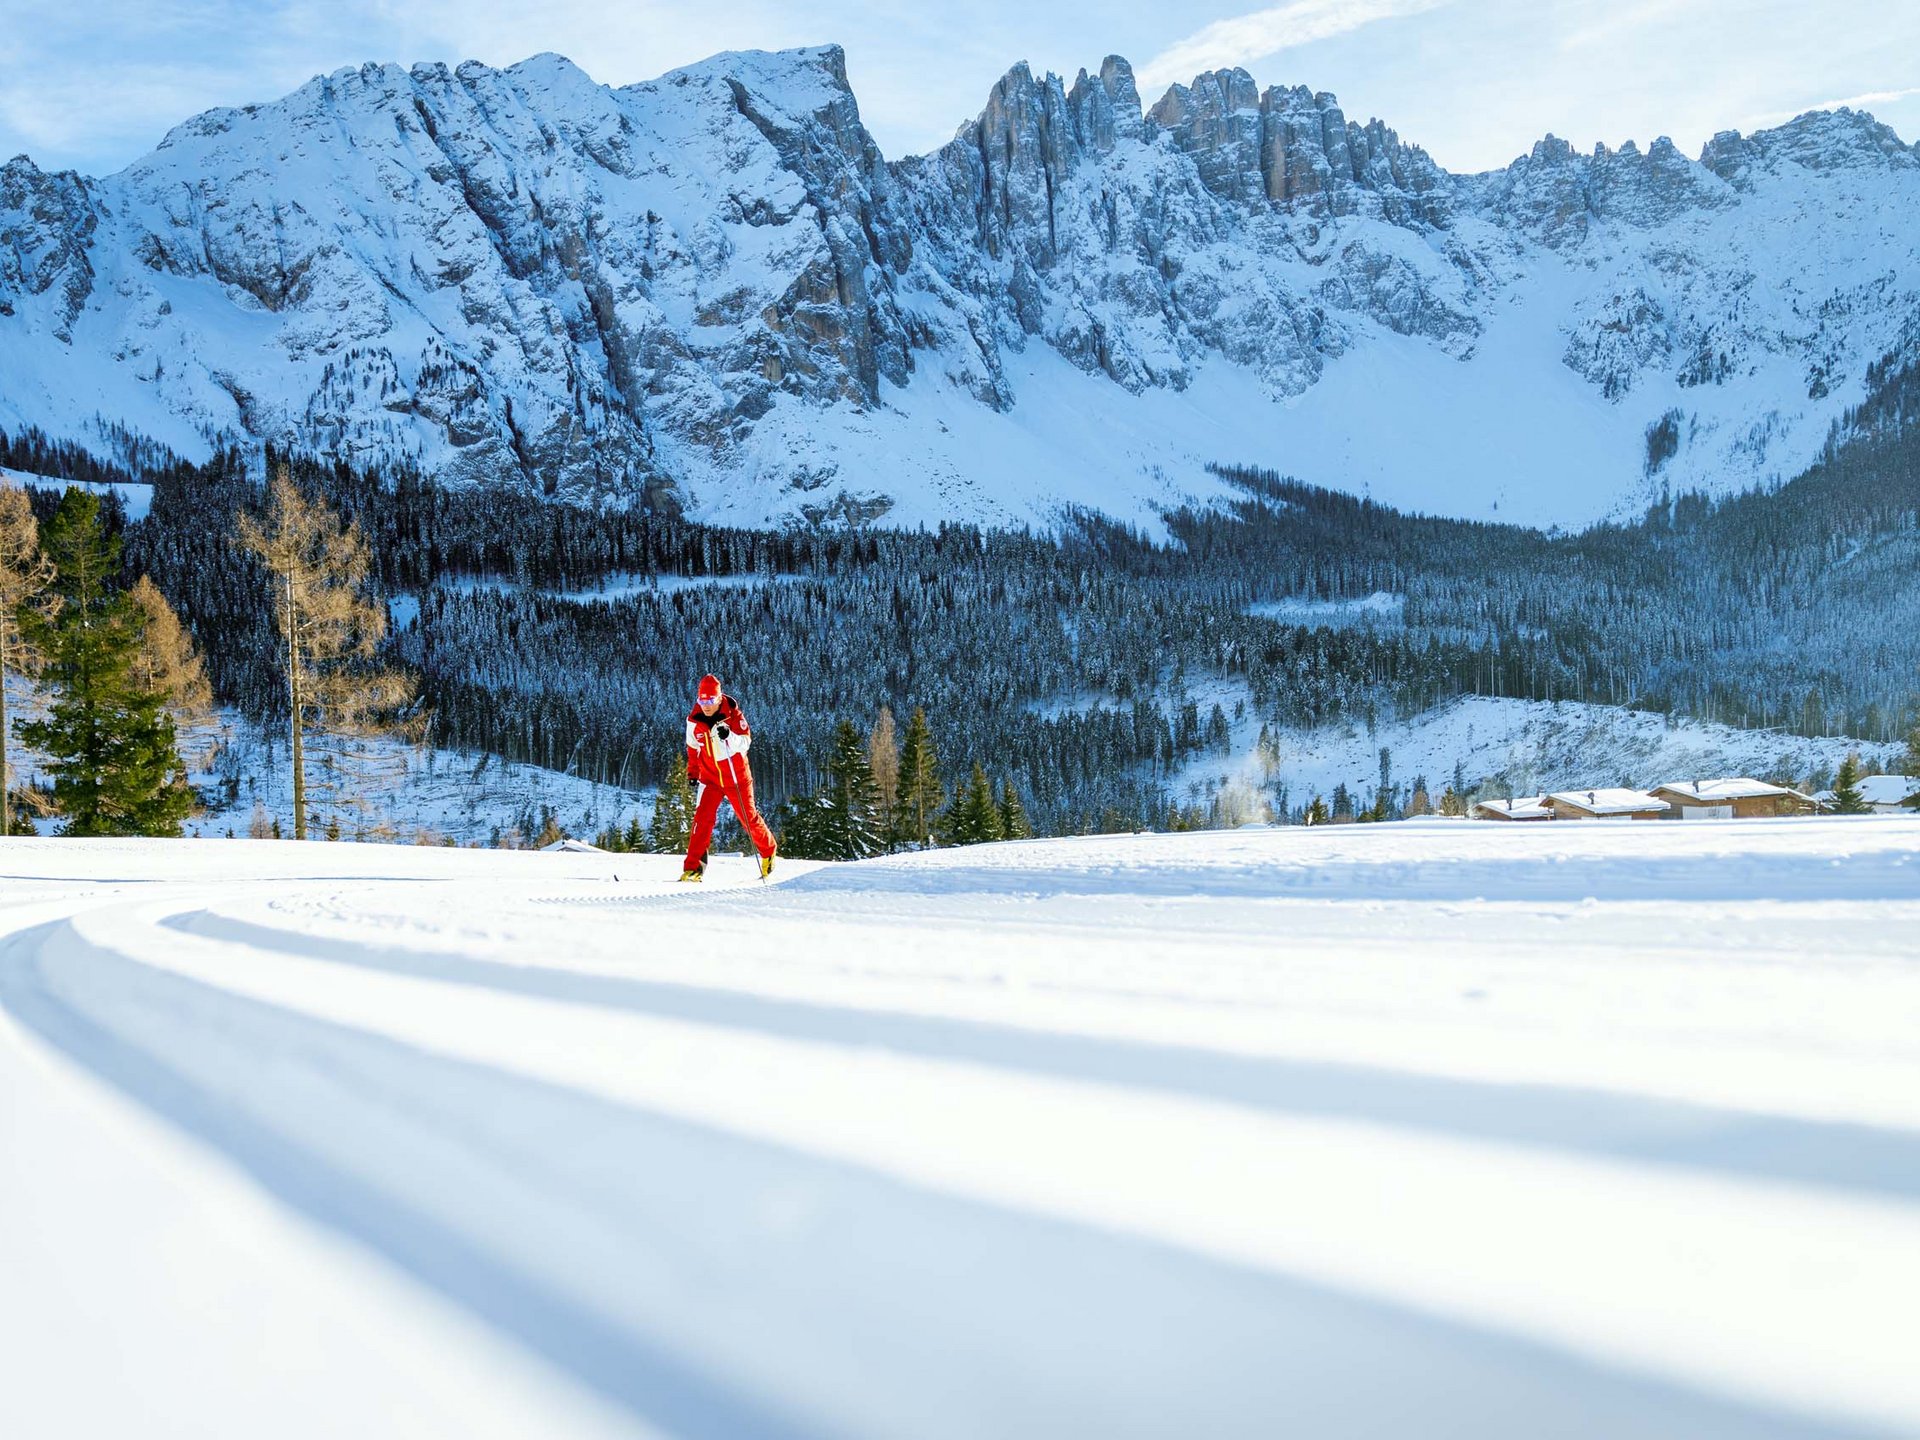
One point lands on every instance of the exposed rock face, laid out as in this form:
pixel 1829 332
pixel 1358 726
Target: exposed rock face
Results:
pixel 1556 196
pixel 46 228
pixel 1296 149
pixel 521 277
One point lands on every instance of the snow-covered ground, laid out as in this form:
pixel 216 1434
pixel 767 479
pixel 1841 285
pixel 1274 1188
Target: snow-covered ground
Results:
pixel 619 585
pixel 1426 1129
pixel 374 789
pixel 384 789
pixel 137 498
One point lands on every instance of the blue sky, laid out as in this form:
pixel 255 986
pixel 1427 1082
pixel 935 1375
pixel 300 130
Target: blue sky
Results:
pixel 93 84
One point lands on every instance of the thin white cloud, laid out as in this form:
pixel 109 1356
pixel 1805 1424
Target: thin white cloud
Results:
pixel 1871 98
pixel 1867 101
pixel 1241 39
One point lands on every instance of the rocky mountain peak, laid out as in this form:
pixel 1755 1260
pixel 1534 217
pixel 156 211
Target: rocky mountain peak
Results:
pixel 1821 141
pixel 1295 148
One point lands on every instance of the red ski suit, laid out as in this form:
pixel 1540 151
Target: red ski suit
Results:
pixel 717 765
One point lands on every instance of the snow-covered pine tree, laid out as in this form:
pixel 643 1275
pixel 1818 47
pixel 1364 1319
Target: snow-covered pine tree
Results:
pixel 850 828
pixel 1847 796
pixel 973 818
pixel 673 808
pixel 110 742
pixel 1013 815
pixel 24 573
pixel 802 827
pixel 330 632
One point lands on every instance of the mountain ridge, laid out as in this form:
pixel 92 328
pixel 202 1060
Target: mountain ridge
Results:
pixel 712 292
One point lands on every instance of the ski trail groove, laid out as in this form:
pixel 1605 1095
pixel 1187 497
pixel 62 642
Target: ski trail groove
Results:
pixel 1283 1195
pixel 1112 1365
pixel 1838 1156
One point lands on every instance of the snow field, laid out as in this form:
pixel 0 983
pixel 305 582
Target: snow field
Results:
pixel 138 498
pixel 1432 1128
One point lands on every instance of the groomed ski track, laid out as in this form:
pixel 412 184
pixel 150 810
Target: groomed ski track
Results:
pixel 1437 1129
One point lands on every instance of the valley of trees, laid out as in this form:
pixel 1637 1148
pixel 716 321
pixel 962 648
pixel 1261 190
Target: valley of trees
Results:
pixel 1058 673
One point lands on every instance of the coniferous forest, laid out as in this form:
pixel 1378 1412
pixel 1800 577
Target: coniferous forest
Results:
pixel 1061 665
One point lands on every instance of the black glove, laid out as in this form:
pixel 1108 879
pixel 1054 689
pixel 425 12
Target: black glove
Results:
pixel 721 730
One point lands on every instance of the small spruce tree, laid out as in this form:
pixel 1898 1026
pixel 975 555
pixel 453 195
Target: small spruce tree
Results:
pixel 802 825
pixel 673 808
pixel 1847 796
pixel 973 818
pixel 852 830
pixel 921 794
pixel 1013 815
pixel 109 740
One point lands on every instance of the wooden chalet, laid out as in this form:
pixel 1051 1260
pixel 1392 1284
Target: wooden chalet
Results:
pixel 1616 803
pixel 1738 798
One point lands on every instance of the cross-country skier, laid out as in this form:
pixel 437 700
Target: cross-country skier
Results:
pixel 717 741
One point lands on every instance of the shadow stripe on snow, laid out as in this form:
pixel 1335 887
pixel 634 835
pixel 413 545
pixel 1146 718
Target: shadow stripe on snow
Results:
pixel 651 1385
pixel 1672 1133
pixel 1024 870
pixel 1264 1354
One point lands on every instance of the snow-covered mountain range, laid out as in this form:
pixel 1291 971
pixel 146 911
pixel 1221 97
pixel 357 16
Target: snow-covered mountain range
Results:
pixel 711 292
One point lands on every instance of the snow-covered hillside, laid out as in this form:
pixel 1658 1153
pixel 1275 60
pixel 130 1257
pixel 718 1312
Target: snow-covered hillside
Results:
pixel 1436 1128
pixel 1505 747
pixel 136 498
pixel 711 291
pixel 366 789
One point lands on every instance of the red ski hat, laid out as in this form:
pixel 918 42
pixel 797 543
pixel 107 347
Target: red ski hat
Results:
pixel 709 689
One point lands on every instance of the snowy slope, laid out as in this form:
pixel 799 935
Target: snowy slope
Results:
pixel 1506 747
pixel 373 789
pixel 712 292
pixel 137 498
pixel 1578 1130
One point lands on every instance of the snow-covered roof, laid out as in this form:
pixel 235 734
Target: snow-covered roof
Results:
pixel 1887 789
pixel 1879 790
pixel 1718 792
pixel 1529 807
pixel 572 846
pixel 1615 801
